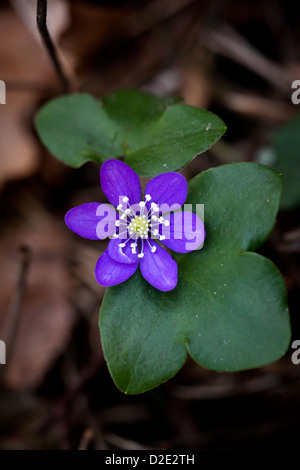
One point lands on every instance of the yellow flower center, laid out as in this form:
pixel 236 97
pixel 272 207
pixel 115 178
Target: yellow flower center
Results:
pixel 140 226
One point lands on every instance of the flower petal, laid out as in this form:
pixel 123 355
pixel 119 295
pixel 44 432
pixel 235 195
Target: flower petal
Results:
pixel 159 268
pixel 118 179
pixel 109 272
pixel 92 220
pixel 122 255
pixel 167 188
pixel 185 232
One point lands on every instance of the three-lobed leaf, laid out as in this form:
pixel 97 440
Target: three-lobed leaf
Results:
pixel 229 309
pixel 155 135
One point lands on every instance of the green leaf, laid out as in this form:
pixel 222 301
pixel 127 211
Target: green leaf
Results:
pixel 154 134
pixel 286 144
pixel 229 309
pixel 284 155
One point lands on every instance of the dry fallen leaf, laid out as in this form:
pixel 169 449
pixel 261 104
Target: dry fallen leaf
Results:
pixel 28 73
pixel 46 316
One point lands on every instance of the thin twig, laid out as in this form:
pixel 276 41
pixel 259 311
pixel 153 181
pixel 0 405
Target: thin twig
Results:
pixel 41 19
pixel 86 438
pixel 11 327
pixel 124 443
pixel 258 106
pixel 265 382
pixel 230 44
pixel 59 408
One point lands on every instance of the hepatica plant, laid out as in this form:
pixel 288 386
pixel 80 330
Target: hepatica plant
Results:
pixel 223 304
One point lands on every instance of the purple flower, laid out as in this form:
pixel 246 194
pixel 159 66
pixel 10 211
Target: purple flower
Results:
pixel 136 226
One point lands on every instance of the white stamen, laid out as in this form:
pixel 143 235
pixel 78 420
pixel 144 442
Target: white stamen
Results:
pixel 161 219
pixel 162 237
pixel 115 235
pixel 155 232
pixel 117 223
pixel 153 249
pixel 136 226
pixel 154 207
pixel 119 207
pixel 167 223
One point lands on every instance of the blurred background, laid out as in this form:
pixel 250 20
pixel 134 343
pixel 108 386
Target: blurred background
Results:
pixel 235 58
